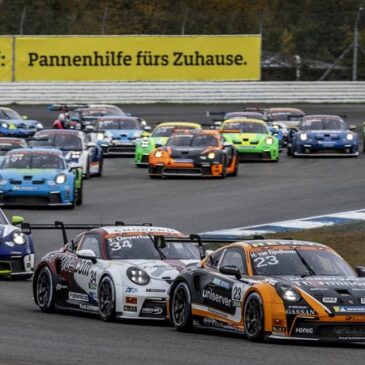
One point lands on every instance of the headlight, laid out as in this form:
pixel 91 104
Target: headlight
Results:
pixel 288 293
pixel 303 136
pixel 39 125
pixel 350 136
pixel 75 154
pixel 5 125
pixel 100 136
pixel 158 154
pixel 60 179
pixel 269 140
pixel 19 238
pixel 211 155
pixel 138 276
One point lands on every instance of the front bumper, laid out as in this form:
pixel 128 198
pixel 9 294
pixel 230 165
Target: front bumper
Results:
pixel 193 170
pixel 257 154
pixel 141 160
pixel 325 149
pixel 17 265
pixel 118 148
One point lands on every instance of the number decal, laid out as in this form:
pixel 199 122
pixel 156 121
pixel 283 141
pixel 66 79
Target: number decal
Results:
pixel 263 261
pixel 118 245
pixel 237 293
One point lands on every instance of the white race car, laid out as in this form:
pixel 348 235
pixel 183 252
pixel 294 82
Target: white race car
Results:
pixel 116 271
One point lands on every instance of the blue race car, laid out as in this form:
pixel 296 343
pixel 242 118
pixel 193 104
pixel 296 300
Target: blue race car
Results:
pixel 117 135
pixel 13 125
pixel 38 177
pixel 16 249
pixel 323 135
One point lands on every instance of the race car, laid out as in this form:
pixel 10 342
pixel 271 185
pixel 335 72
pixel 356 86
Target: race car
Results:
pixel 194 153
pixel 13 125
pixel 147 143
pixel 76 146
pixel 323 135
pixel 118 135
pixel 39 176
pixel 251 138
pixel 275 289
pixel 16 249
pixel 289 116
pixel 7 144
pixel 117 271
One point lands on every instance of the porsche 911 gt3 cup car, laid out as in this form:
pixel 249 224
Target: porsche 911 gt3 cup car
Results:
pixel 252 139
pixel 289 116
pixel 201 153
pixel 13 125
pixel 278 289
pixel 117 135
pixel 323 135
pixel 16 249
pixel 147 143
pixel 114 271
pixel 76 147
pixel 39 176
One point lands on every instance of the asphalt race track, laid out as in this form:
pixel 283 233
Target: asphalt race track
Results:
pixel 262 193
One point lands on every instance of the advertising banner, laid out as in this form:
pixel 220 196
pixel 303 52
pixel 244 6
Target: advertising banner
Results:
pixel 138 58
pixel 6 53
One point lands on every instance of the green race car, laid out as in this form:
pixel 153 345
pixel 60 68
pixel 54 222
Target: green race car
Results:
pixel 148 142
pixel 252 139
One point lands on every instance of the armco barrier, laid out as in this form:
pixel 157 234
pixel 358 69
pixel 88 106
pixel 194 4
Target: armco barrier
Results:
pixel 182 92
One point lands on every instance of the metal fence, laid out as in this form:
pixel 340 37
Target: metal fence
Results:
pixel 182 92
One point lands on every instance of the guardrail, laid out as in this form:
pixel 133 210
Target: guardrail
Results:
pixel 182 92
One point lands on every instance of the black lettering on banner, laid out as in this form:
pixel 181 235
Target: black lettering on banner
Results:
pixel 177 59
pixel 32 58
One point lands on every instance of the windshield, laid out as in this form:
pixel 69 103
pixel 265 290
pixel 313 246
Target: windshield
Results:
pixel 166 131
pixel 323 124
pixel 285 116
pixel 9 114
pixel 32 160
pixel 10 145
pixel 62 141
pixel 145 247
pixel 299 262
pixel 246 127
pixel 252 115
pixel 202 140
pixel 119 124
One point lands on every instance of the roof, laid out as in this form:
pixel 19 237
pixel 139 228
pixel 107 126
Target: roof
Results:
pixel 59 131
pixel 116 117
pixel 178 124
pixel 150 230
pixel 285 110
pixel 278 243
pixel 318 116
pixel 37 149
pixel 244 120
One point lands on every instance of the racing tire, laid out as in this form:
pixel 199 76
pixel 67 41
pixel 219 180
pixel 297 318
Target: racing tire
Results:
pixel 106 299
pixel 224 168
pixel 253 317
pixel 79 195
pixel 87 173
pixel 235 172
pixel 289 151
pixel 181 316
pixel 101 168
pixel 44 290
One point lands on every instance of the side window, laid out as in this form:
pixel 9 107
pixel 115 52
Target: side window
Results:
pixel 234 257
pixel 213 259
pixel 74 244
pixel 90 242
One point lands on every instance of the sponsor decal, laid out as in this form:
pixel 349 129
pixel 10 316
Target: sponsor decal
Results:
pixel 78 296
pixel 296 309
pixel 279 329
pixel 92 286
pixel 92 308
pixel 155 290
pixel 304 330
pixel 355 318
pixel 61 287
pixel 70 264
pixel 130 308
pixel 217 298
pixel 323 282
pixel 155 311
pixel 217 312
pixel 349 309
pixel 329 300
pixel 220 283
pixel 216 324
pixel 131 290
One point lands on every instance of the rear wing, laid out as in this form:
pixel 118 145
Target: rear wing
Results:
pixel 27 228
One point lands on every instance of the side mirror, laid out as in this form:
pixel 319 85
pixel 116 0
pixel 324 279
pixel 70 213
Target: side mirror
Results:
pixel 91 145
pixel 147 128
pixel 25 117
pixel 87 255
pixel 352 127
pixel 231 270
pixel 360 271
pixel 17 219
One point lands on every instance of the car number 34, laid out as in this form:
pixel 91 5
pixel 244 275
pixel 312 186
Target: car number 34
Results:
pixel 118 245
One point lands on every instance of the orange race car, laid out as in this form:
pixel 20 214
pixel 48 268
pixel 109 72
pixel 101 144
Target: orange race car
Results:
pixel 194 153
pixel 278 289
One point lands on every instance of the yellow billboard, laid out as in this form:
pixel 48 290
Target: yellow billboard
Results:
pixel 142 58
pixel 6 55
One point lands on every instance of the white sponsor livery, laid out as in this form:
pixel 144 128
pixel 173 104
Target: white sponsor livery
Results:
pixel 306 331
pixel 144 229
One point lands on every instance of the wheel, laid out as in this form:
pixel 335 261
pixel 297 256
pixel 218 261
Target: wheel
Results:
pixel 44 290
pixel 101 167
pixel 235 172
pixel 87 173
pixel 181 308
pixel 106 299
pixel 79 194
pixel 224 168
pixel 254 318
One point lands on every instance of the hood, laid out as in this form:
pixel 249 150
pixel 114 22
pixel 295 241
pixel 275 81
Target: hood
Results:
pixel 245 138
pixel 159 269
pixel 29 174
pixel 124 134
pixel 339 294
pixel 326 134
pixel 186 152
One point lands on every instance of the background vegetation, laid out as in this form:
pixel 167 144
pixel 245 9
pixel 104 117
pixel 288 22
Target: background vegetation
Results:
pixel 317 30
